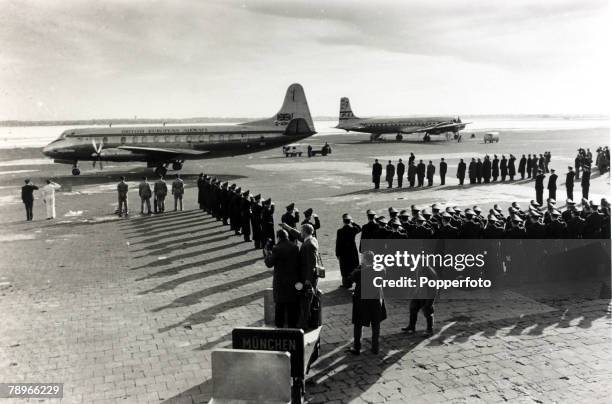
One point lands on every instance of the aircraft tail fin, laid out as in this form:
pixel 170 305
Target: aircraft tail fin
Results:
pixel 294 106
pixel 346 112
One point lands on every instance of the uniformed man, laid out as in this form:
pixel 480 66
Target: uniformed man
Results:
pixel 516 229
pixel 431 170
pixel 411 173
pixel 535 227
pixel 552 185
pixel 201 184
pixel 586 181
pixel 346 248
pixel 397 230
pixel 556 228
pixel 479 171
pixel 421 230
pixel 575 225
pixel 122 196
pixel 376 174
pixel 291 218
pixel 235 211
pixel 369 230
pixel 522 166
pixel 178 189
pixel 577 164
pixel 461 171
pixel 390 173
pixel 160 189
pixel 224 194
pixel 472 173
pixel 245 216
pixel 144 191
pixel 569 182
pixel 471 227
pixel 443 168
pixel 421 172
pixel 503 168
pixel 256 210
pixel 401 169
pixel 267 222
pixel 383 231
pixel 411 158
pixel 495 168
pixel 593 222
pixel 312 219
pixel 511 167
pixel 486 170
pixel 539 187
pixel 424 302
pixel 392 212
pixel 447 230
pixel 529 166
pixel 494 228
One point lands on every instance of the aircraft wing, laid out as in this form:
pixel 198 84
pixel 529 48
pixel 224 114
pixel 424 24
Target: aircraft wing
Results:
pixel 163 150
pixel 444 126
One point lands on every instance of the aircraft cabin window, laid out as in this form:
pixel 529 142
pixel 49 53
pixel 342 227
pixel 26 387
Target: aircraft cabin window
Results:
pixel 104 139
pixel 168 139
pixel 155 139
pixel 144 139
pixel 123 140
pixel 188 138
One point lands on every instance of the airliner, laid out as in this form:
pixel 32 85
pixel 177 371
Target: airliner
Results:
pixel 400 126
pixel 160 146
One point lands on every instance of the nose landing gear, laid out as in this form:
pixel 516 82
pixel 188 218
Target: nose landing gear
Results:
pixel 177 165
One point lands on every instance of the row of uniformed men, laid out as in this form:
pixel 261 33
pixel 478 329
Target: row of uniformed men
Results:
pixel 246 213
pixel 587 221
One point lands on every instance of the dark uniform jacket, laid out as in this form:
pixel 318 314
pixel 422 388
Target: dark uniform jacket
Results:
pixel 443 168
pixel 552 182
pixel 27 192
pixel 421 170
pixel 376 170
pixel 461 170
pixel 569 180
pixel 431 170
pixel 366 311
pixel 346 248
pixel 401 169
pixel 511 166
pixel 503 166
pixel 495 167
pixel 539 181
pixel 285 260
pixel 522 165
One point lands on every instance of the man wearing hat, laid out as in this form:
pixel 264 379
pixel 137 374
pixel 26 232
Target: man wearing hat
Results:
pixel 256 211
pixel 486 170
pixel 552 185
pixel 586 181
pixel 370 229
pixel 412 170
pixel 446 229
pixel 479 171
pixel 267 223
pixel 235 213
pixel 201 184
pixel 594 220
pixel 575 224
pixel 245 216
pixel 535 227
pixel 420 173
pixel 569 182
pixel 392 213
pixel 390 173
pixel 522 166
pixel 284 257
pixel 401 169
pixel 472 174
pixel 431 171
pixel 516 228
pixel 472 227
pixel 291 218
pixel 407 224
pixel 556 228
pixel 443 169
pixel 511 167
pixel 539 186
pixel 494 228
pixel 312 219
pixel 27 197
pixel 376 173
pixel 160 190
pixel 346 249
pixel 178 190
pixel 495 168
pixel 397 230
pixel 503 168
pixel 421 230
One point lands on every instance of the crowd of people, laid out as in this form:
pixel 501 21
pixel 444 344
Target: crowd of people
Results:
pixel 585 220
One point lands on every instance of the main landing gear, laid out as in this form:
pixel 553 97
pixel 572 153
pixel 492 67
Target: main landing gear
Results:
pixel 163 169
pixel 399 137
pixel 427 138
pixel 75 169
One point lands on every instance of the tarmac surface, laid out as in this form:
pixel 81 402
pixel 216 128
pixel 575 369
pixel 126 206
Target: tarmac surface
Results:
pixel 128 310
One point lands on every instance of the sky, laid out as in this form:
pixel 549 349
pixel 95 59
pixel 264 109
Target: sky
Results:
pixel 80 59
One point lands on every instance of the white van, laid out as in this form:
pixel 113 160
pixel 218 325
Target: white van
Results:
pixel 491 137
pixel 294 149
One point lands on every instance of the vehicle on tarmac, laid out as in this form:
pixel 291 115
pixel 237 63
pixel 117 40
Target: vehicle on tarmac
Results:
pixel 294 149
pixel 161 146
pixel 491 137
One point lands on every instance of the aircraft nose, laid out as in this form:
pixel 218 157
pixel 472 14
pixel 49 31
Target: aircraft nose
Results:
pixel 48 150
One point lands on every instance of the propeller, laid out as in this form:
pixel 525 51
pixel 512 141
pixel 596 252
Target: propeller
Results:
pixel 96 153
